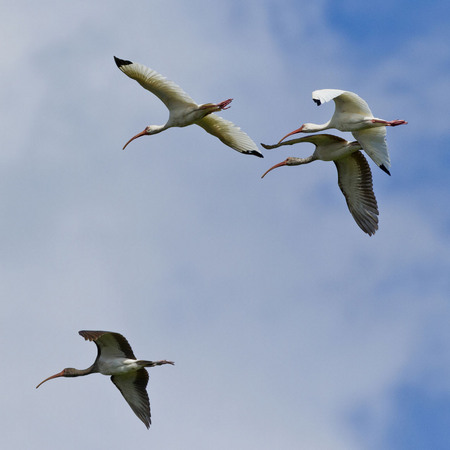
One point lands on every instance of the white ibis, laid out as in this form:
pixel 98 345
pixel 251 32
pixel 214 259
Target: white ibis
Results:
pixel 184 111
pixel 116 358
pixel 354 175
pixel 353 114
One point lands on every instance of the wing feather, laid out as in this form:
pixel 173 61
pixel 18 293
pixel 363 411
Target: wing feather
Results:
pixel 133 388
pixel 172 95
pixel 229 134
pixel 345 101
pixel 355 182
pixel 325 95
pixel 110 345
pixel 373 142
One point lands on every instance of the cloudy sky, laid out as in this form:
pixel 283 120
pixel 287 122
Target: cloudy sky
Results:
pixel 290 328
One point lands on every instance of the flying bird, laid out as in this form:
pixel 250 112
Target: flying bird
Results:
pixel 116 358
pixel 183 111
pixel 354 175
pixel 353 114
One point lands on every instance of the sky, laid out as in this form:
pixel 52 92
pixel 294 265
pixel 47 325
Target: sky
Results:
pixel 289 327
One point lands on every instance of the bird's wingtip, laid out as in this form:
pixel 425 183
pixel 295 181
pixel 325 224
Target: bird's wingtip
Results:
pixel 385 169
pixel 317 101
pixel 256 153
pixel 121 62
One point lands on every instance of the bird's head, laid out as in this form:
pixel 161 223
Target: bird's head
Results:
pixel 291 161
pixel 151 129
pixel 68 372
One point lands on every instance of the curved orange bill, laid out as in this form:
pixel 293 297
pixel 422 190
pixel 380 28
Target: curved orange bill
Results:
pixel 142 133
pixel 298 130
pixel 283 163
pixel 60 374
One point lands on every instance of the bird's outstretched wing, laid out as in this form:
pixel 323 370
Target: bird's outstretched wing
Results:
pixel 229 134
pixel 133 388
pixel 373 142
pixel 316 139
pixel 355 181
pixel 109 344
pixel 345 101
pixel 167 91
pixel 321 96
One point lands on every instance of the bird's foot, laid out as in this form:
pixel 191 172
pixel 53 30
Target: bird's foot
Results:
pixel 215 107
pixel 224 104
pixel 394 123
pixel 160 363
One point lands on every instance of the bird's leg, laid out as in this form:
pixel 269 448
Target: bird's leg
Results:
pixel 390 123
pixel 160 363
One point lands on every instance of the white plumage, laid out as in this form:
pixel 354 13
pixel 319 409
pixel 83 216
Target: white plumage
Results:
pixel 184 111
pixel 352 113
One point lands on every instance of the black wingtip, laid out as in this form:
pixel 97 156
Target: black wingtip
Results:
pixel 384 169
pixel 317 101
pixel 255 153
pixel 121 62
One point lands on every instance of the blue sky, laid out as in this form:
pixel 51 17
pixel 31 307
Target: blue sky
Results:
pixel 290 328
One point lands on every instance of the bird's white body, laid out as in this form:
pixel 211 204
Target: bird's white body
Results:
pixel 354 175
pixel 184 111
pixel 118 366
pixel 112 358
pixel 328 148
pixel 353 114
